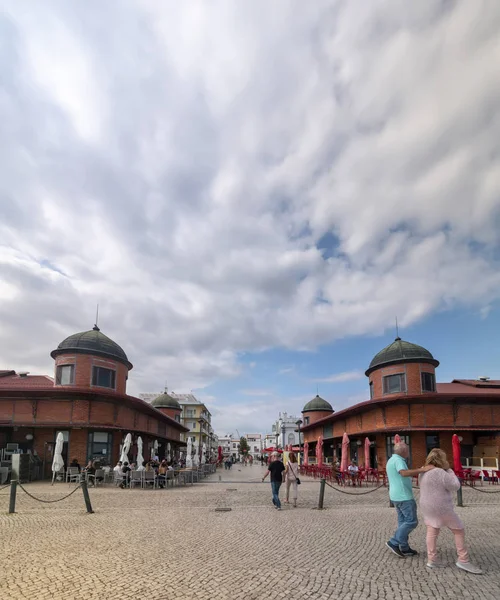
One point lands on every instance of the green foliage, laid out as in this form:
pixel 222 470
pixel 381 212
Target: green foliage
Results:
pixel 243 447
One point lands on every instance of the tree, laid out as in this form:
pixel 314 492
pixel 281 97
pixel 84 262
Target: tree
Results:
pixel 244 449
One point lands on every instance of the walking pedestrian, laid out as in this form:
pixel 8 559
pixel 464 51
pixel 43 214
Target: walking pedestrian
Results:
pixel 275 469
pixel 292 478
pixel 401 495
pixel 436 504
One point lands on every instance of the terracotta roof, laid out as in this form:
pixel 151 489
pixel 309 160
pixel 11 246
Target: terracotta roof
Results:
pixel 14 381
pixel 459 387
pixel 479 383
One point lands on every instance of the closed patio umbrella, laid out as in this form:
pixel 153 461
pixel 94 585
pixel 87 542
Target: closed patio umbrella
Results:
pixel 58 461
pixel 367 454
pixel 457 462
pixel 397 439
pixel 140 457
pixel 169 456
pixel 345 453
pixel 126 448
pixel 306 453
pixel 319 451
pixel 154 450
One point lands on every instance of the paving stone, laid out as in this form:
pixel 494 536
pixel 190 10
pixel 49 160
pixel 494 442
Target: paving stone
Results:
pixel 160 544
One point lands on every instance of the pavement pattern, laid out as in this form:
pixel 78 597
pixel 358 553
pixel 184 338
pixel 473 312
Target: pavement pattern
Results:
pixel 173 544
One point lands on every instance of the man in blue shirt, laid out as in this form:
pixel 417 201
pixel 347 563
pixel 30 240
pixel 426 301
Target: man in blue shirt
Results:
pixel 401 495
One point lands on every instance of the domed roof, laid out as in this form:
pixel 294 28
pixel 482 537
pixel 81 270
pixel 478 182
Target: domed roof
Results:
pixel 318 403
pixel 401 352
pixel 165 401
pixel 92 342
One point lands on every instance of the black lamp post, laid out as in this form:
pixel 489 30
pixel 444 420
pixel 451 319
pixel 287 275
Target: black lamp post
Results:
pixel 277 436
pixel 283 431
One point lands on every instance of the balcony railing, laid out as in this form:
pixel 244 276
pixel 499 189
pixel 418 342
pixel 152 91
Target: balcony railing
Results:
pixel 484 462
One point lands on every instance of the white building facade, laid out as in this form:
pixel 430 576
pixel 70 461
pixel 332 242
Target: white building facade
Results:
pixel 255 441
pixel 286 427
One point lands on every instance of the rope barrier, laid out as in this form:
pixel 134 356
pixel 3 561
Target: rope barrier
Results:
pixel 5 487
pixel 472 487
pixel 49 501
pixel 354 493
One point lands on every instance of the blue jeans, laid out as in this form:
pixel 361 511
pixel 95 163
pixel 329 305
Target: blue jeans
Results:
pixel 275 487
pixel 407 521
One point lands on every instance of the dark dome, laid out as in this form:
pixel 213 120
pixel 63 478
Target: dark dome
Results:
pixel 165 401
pixel 92 342
pixel 317 403
pixel 401 352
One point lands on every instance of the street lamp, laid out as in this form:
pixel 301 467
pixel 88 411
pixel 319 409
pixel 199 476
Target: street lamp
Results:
pixel 277 436
pixel 299 423
pixel 283 430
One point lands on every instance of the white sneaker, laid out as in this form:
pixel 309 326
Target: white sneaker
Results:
pixel 436 565
pixel 469 567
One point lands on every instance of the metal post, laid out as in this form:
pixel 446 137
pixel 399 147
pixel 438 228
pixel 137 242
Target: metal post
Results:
pixel 321 494
pixel 460 500
pixel 86 497
pixel 12 500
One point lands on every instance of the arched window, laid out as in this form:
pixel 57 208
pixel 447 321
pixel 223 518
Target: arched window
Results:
pixel 291 438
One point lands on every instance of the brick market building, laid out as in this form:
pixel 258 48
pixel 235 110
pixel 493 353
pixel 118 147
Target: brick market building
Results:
pixel 87 400
pixel 405 399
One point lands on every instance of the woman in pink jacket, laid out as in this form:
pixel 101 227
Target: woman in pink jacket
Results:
pixel 436 504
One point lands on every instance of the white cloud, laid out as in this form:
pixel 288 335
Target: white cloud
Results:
pixel 182 172
pixel 341 377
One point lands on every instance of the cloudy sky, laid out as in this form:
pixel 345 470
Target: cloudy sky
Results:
pixel 251 191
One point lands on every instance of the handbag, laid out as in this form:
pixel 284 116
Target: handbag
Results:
pixel 296 478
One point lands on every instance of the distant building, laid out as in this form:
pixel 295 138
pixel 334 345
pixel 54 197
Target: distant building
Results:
pixel 254 444
pixel 230 446
pixel 195 416
pixel 287 430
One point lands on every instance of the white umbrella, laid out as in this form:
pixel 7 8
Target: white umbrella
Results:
pixel 154 451
pixel 189 459
pixel 140 457
pixel 204 454
pixel 126 448
pixel 168 453
pixel 58 462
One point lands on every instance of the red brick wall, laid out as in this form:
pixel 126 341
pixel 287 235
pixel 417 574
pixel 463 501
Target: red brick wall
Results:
pixel 413 380
pixel 83 370
pixel 316 415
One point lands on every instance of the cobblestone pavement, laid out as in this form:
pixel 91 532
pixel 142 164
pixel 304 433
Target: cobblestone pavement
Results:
pixel 172 544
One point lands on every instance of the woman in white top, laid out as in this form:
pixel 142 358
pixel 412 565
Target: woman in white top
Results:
pixel 291 476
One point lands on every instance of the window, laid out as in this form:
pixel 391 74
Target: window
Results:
pixel 431 442
pixel 371 390
pixel 190 413
pixel 102 377
pixel 428 382
pixel 99 446
pixel 395 383
pixel 306 420
pixel 291 438
pixel 178 418
pixel 65 375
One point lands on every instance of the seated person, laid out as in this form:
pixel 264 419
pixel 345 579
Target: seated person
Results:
pixel 75 465
pixel 353 471
pixel 125 471
pixel 142 467
pixel 162 473
pixel 118 467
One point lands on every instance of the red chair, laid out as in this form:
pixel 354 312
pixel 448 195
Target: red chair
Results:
pixel 491 477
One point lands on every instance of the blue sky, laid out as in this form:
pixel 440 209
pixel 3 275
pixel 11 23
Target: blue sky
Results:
pixel 251 193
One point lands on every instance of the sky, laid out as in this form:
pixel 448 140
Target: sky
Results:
pixel 251 191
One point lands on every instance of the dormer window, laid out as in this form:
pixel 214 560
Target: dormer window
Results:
pixel 65 375
pixel 102 377
pixel 394 384
pixel 306 420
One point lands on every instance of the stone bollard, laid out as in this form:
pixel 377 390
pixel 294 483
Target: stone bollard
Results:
pixel 12 500
pixel 321 493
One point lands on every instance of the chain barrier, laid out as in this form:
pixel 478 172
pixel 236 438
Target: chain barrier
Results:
pixel 354 493
pixel 473 487
pixel 5 487
pixel 49 501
